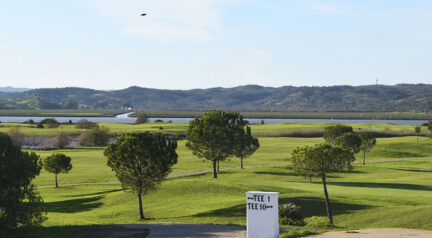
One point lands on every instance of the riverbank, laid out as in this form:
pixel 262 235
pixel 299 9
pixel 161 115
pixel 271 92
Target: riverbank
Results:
pixel 299 115
pixel 198 113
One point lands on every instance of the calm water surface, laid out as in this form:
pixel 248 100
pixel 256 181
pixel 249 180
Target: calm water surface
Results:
pixel 123 118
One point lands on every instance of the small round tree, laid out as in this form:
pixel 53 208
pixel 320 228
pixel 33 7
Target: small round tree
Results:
pixel 57 163
pixel 214 136
pixel 141 161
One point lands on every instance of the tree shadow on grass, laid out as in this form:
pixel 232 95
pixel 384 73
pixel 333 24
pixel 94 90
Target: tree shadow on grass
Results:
pixel 74 205
pixel 309 206
pixel 233 211
pixel 98 193
pixel 277 173
pixel 313 206
pixel 415 170
pixel 383 185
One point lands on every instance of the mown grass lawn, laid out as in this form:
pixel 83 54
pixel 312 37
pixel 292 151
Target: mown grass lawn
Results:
pixel 89 164
pixel 387 194
pixel 391 194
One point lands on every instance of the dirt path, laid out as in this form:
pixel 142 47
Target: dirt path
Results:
pixel 159 230
pixel 377 233
pixel 208 171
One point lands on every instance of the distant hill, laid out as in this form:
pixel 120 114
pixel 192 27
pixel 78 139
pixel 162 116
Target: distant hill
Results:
pixel 377 98
pixel 9 89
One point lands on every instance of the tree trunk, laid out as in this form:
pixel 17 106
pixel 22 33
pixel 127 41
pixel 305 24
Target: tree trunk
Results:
pixel 214 169
pixel 329 214
pixel 364 156
pixel 241 162
pixel 310 178
pixel 218 166
pixel 56 180
pixel 140 205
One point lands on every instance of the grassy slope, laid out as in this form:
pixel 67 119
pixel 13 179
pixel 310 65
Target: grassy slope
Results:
pixel 376 195
pixel 89 164
pixel 391 194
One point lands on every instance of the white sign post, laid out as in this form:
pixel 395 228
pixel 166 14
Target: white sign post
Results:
pixel 262 214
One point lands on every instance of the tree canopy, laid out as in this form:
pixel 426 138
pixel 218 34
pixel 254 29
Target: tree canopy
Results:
pixel 320 160
pixel 350 141
pixel 141 161
pixel 215 135
pixel 331 133
pixel 20 203
pixel 246 145
pixel 57 163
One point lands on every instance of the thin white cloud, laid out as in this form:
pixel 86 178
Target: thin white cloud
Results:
pixel 246 68
pixel 326 8
pixel 3 47
pixel 167 19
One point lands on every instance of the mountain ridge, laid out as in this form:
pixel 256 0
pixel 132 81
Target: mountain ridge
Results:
pixel 379 98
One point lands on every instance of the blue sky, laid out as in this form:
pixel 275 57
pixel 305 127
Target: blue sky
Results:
pixel 184 44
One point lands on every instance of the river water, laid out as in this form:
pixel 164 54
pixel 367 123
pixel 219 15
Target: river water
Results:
pixel 123 118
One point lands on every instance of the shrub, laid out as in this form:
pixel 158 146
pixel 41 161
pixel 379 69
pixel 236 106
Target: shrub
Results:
pixel 158 120
pixel 39 125
pixel 297 233
pixel 29 121
pixel 141 118
pixel 85 124
pixel 83 139
pixel 50 123
pixel 16 136
pixel 288 215
pixel 316 221
pixel 99 136
pixel 61 140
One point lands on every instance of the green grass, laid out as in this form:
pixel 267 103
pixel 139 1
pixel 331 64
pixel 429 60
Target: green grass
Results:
pixel 388 194
pixel 393 194
pixel 297 233
pixel 89 164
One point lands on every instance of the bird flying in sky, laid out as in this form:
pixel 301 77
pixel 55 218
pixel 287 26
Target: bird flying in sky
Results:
pixel 143 14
